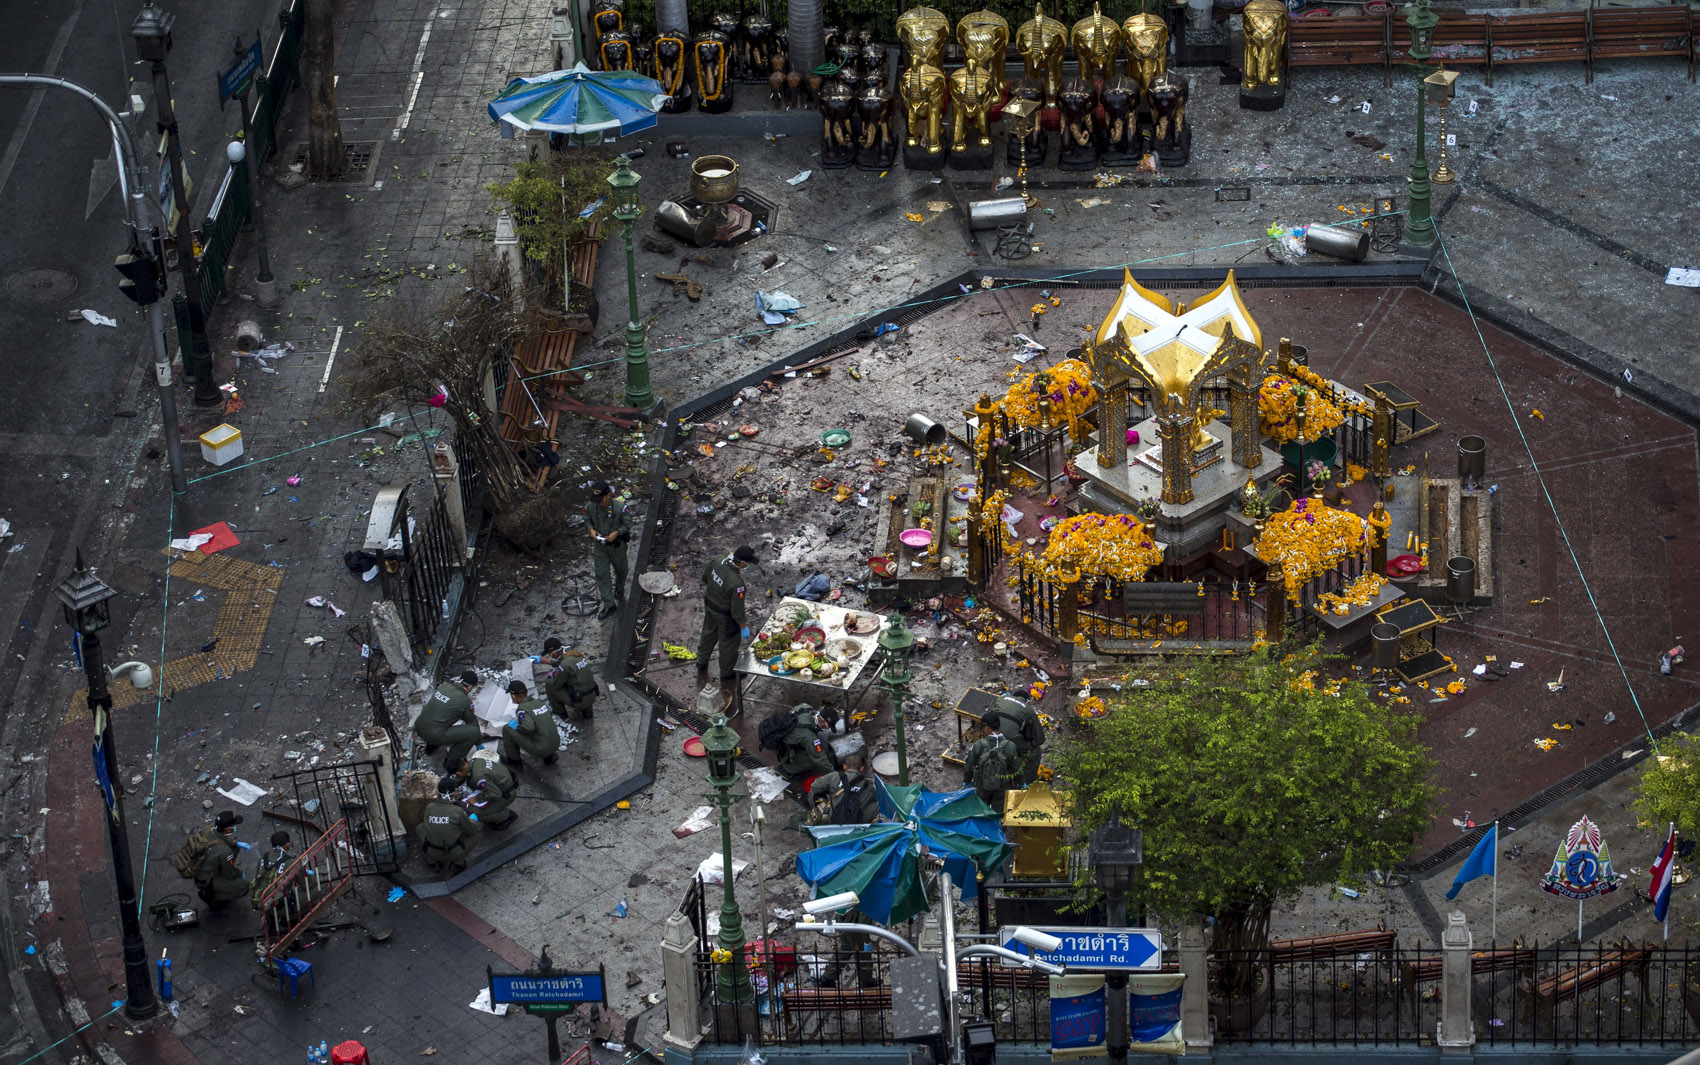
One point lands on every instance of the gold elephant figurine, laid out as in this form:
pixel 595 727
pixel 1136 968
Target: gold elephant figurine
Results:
pixel 1265 44
pixel 923 32
pixel 1147 39
pixel 984 37
pixel 1041 41
pixel 923 89
pixel 1097 41
pixel 971 99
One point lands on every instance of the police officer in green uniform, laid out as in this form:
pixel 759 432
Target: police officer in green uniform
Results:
pixel 447 717
pixel 850 789
pixel 493 788
pixel 533 731
pixel 282 912
pixel 609 531
pixel 217 879
pixel 448 831
pixel 723 621
pixel 1018 721
pixel 806 751
pixel 993 765
pixel 571 681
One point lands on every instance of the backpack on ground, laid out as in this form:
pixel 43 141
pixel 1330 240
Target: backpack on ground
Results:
pixel 188 858
pixel 774 728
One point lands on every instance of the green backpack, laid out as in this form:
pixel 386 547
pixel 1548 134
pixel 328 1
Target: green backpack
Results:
pixel 188 858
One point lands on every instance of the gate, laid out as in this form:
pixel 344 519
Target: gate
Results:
pixel 349 795
pixel 419 563
pixel 306 889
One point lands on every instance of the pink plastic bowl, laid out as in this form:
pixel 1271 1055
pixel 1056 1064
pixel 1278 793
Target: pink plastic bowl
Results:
pixel 916 537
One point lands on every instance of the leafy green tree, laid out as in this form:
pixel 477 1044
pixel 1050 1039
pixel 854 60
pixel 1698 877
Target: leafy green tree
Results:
pixel 1251 778
pixel 1670 786
pixel 546 196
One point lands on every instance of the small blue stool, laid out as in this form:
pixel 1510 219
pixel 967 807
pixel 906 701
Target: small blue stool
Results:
pixel 289 974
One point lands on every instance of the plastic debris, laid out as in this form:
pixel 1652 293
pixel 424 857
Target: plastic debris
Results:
pixel 618 911
pixel 396 894
pixel 96 318
pixel 801 176
pixel 774 306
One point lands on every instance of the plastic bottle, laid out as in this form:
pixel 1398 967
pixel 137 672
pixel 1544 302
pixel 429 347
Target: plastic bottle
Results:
pixel 324 1050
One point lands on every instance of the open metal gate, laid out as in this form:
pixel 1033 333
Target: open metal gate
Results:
pixel 352 796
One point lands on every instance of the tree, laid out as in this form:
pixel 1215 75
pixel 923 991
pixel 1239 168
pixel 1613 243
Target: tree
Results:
pixel 325 156
pixel 546 197
pixel 1670 787
pixel 1251 778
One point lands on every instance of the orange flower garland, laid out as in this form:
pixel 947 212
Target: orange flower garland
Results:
pixel 1278 409
pixel 1099 545
pixel 1068 385
pixel 1308 539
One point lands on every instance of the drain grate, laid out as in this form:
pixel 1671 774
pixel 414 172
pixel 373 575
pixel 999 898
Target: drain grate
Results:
pixel 1233 194
pixel 360 161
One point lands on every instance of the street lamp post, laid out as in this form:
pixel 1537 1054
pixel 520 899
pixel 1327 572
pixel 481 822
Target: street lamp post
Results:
pixel 624 183
pixel 1114 850
pixel 897 642
pixel 152 32
pixel 1441 85
pixel 732 978
pixel 265 286
pixel 85 597
pixel 1419 223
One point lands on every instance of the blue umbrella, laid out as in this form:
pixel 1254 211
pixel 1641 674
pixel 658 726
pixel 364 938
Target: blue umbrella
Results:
pixel 580 100
pixel 881 862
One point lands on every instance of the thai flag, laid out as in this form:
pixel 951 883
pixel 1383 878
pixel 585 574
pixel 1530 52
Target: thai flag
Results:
pixel 1661 872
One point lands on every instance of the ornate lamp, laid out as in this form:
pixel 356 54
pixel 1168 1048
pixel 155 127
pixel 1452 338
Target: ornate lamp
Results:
pixel 1419 226
pixel 1441 85
pixel 85 597
pixel 897 642
pixel 732 978
pixel 623 192
pixel 1387 224
pixel 1018 115
pixel 152 31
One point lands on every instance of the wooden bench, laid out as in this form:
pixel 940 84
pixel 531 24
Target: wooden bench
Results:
pixel 538 372
pixel 1637 32
pixel 1429 968
pixel 1342 41
pixel 1462 40
pixel 1376 940
pixel 1568 983
pixel 1547 37
pixel 837 1000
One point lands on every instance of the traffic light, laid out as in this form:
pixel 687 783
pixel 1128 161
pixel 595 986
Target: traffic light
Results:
pixel 141 276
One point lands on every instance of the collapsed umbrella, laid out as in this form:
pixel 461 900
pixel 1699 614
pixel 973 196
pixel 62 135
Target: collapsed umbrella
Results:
pixel 881 862
pixel 580 100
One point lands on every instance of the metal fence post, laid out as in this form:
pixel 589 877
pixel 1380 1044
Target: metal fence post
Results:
pixel 679 978
pixel 446 468
pixel 1195 991
pixel 1457 1030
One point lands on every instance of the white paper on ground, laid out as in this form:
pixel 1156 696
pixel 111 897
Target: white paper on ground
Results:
pixel 1687 277
pixel 713 871
pixel 702 817
pixel 521 671
pixel 193 543
pixel 765 784
pixel 492 704
pixel 1480 670
pixel 482 1004
pixel 96 318
pixel 243 792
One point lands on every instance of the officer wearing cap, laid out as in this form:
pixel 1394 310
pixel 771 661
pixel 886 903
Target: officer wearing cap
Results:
pixel 533 731
pixel 218 880
pixel 723 620
pixel 610 528
pixel 447 717
pixel 447 833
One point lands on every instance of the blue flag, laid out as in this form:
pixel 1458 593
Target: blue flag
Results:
pixel 1483 861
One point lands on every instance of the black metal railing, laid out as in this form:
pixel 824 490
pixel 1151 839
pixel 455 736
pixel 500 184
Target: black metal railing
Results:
pixel 1305 622
pixel 349 792
pixel 1346 999
pixel 819 991
pixel 1591 994
pixel 418 570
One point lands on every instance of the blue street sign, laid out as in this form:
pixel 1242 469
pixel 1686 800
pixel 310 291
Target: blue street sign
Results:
pixel 1097 949
pixel 523 990
pixel 234 81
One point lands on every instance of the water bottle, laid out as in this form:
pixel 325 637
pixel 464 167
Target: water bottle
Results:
pixel 312 1054
pixel 324 1051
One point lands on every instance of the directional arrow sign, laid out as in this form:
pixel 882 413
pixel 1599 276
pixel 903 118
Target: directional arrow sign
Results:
pixel 1097 949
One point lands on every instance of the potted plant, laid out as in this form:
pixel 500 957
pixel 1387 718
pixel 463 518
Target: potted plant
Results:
pixel 1148 509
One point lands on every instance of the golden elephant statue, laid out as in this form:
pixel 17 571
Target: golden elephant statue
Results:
pixel 972 94
pixel 923 89
pixel 1041 42
pixel 1265 44
pixel 1147 39
pixel 1097 42
pixel 984 37
pixel 923 32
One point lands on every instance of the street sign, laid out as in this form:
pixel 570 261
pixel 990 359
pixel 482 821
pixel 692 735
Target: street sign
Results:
pixel 563 989
pixel 1096 949
pixel 234 82
pixel 544 1009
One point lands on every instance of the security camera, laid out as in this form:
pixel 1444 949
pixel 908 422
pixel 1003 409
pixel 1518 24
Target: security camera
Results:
pixel 1041 942
pixel 141 674
pixel 832 903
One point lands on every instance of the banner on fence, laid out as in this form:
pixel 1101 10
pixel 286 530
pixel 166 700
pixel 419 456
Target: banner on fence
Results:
pixel 1154 1013
pixel 1077 1017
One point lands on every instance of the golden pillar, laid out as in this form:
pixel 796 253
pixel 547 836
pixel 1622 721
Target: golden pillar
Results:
pixel 1275 605
pixel 1112 426
pixel 1174 431
pixel 1378 540
pixel 1381 424
pixel 1068 608
pixel 1242 416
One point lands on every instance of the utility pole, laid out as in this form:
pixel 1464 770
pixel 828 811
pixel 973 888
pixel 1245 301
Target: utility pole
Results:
pixel 265 286
pixel 141 265
pixel 152 32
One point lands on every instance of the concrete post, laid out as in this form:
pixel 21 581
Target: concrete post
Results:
pixel 391 635
pixel 508 255
pixel 1195 993
pixel 375 744
pixel 679 978
pixel 1457 1029
pixel 446 468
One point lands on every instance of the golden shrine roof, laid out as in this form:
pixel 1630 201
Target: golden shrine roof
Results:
pixel 1171 342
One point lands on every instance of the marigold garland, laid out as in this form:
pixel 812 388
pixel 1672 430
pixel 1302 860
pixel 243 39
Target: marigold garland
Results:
pixel 1308 539
pixel 1099 545
pixel 1359 592
pixel 1068 384
pixel 1278 409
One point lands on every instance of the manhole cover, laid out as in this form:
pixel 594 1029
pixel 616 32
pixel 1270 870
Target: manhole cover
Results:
pixel 360 157
pixel 44 284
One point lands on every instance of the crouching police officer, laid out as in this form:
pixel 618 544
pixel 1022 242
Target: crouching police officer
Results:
pixel 448 831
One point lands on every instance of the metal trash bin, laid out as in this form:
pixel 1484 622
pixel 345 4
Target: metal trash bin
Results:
pixel 1460 579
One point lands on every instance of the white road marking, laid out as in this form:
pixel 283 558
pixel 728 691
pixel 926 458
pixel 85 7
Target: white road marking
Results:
pixel 418 80
pixel 336 342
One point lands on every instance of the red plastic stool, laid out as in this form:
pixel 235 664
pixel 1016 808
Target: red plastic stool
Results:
pixel 349 1052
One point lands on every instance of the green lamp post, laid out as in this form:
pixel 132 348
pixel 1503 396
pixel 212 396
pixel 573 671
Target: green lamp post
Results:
pixel 897 642
pixel 1419 224
pixel 732 977
pixel 624 183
